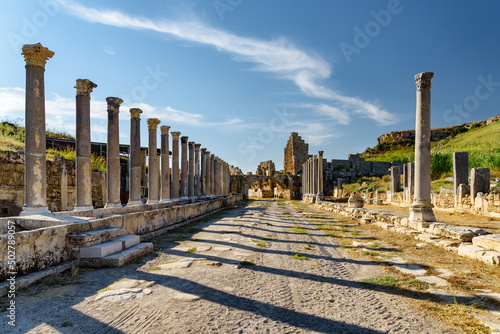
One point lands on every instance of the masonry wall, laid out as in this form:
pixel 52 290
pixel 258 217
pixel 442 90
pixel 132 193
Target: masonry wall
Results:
pixel 61 190
pixel 296 153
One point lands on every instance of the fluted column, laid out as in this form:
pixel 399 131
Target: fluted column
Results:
pixel 35 183
pixel 320 174
pixel 165 165
pixel 113 153
pixel 203 172
pixel 191 170
pixel 212 175
pixel 208 176
pixel 135 158
pixel 197 186
pixel 83 153
pixel 175 164
pixel 421 208
pixel 153 161
pixel 184 167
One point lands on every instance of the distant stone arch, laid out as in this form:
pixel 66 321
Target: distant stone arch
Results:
pixel 260 186
pixel 266 168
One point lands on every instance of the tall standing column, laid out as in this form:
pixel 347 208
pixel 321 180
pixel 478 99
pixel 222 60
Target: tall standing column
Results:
pixel 35 183
pixel 216 176
pixel 311 176
pixel 83 154
pixel 184 168
pixel 175 165
pixel 165 165
pixel 197 178
pixel 113 153
pixel 153 161
pixel 135 167
pixel 191 170
pixel 203 172
pixel 320 174
pixel 315 175
pixel 212 175
pixel 208 179
pixel 303 183
pixel 421 208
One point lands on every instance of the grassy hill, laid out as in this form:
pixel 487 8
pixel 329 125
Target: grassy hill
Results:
pixel 481 141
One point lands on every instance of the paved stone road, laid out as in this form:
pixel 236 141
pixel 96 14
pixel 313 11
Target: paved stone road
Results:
pixel 204 289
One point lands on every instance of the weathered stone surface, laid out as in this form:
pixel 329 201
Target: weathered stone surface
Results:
pixel 355 201
pixel 296 154
pixel 186 297
pixel 395 179
pixel 462 233
pixel 176 265
pixel 460 170
pixel 470 251
pixel 434 280
pixel 479 181
pixel 490 241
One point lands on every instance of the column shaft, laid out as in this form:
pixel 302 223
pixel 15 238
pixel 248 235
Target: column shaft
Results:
pixel 175 165
pixel 191 170
pixel 135 168
pixel 203 172
pixel 320 174
pixel 113 153
pixel 165 165
pixel 212 175
pixel 197 178
pixel 153 161
pixel 184 167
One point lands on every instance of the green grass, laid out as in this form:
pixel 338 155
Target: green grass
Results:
pixel 166 262
pixel 247 263
pixel 191 250
pixel 371 253
pixel 388 281
pixel 300 257
pixel 262 244
pixel 355 233
pixel 298 229
pixel 307 247
pixel 153 268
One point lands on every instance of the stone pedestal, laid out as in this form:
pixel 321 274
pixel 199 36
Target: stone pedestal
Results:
pixel 460 171
pixel 83 153
pixel 113 153
pixel 165 165
pixel 203 172
pixel 175 165
pixel 355 201
pixel 395 180
pixel 135 168
pixel 35 183
pixel 191 170
pixel 320 175
pixel 479 182
pixel 197 177
pixel 184 168
pixel 153 161
pixel 421 208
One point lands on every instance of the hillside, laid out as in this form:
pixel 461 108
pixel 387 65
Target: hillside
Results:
pixel 481 139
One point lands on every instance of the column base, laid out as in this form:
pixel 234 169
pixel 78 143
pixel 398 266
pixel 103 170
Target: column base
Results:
pixel 35 210
pixel 133 203
pixel 184 198
pixel 154 201
pixel 422 212
pixel 113 205
pixel 83 208
pixel 167 200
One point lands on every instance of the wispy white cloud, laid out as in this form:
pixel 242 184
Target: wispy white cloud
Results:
pixel 333 113
pixel 109 50
pixel 277 56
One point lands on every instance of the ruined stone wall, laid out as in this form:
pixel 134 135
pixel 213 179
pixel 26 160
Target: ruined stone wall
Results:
pixel 296 153
pixel 61 178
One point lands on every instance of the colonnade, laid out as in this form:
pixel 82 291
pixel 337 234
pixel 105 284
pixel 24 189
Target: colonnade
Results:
pixel 312 177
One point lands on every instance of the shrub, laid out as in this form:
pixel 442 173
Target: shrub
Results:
pixel 457 130
pixel 441 163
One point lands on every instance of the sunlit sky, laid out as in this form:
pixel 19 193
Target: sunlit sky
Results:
pixel 238 76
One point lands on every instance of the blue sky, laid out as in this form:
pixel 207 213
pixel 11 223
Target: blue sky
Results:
pixel 238 76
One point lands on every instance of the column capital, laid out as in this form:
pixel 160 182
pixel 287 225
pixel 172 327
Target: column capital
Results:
pixel 84 87
pixel 197 147
pixel 320 153
pixel 208 153
pixel 184 139
pixel 164 129
pixel 203 150
pixel 315 157
pixel 135 113
pixel 423 80
pixel 175 135
pixel 153 123
pixel 191 145
pixel 36 54
pixel 114 103
pixel 212 156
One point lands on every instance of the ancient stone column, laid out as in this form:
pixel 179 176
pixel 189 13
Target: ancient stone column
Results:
pixel 460 171
pixel 479 182
pixel 83 154
pixel 315 175
pixel 165 165
pixel 153 161
pixel 203 172
pixel 421 208
pixel 395 180
pixel 184 168
pixel 135 167
pixel 197 178
pixel 228 179
pixel 35 183
pixel 307 177
pixel 320 174
pixel 216 176
pixel 113 153
pixel 411 180
pixel 191 170
pixel 175 165
pixel 208 179
pixel 212 175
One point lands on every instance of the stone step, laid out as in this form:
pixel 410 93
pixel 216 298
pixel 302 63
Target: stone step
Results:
pixel 110 247
pixel 120 258
pixel 90 238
